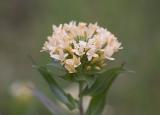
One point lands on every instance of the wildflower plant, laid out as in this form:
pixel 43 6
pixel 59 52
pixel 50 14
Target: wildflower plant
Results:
pixel 80 54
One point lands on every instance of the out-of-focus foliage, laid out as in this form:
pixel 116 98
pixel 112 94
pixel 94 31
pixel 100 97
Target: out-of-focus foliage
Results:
pixel 24 25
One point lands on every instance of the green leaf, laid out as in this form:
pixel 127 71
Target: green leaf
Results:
pixel 103 81
pixel 52 106
pixel 99 90
pixel 56 69
pixel 97 104
pixel 59 93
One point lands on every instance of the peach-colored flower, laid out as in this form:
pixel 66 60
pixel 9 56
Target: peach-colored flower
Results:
pixel 69 43
pixel 71 64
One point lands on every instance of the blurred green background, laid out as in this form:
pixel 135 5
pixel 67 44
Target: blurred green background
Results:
pixel 25 24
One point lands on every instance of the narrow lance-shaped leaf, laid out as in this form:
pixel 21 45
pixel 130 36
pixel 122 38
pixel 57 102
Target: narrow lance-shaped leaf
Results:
pixel 59 93
pixel 52 106
pixel 103 81
pixel 99 93
pixel 56 68
pixel 97 104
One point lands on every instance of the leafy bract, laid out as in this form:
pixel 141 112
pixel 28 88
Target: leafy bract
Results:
pixel 58 92
pixel 103 81
pixel 98 91
pixel 97 104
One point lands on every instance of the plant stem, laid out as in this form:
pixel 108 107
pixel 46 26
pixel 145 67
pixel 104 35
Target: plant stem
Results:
pixel 81 99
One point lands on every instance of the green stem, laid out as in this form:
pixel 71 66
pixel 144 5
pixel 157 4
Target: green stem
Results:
pixel 81 99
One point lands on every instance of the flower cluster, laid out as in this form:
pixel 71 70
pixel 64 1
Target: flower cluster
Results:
pixel 81 44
